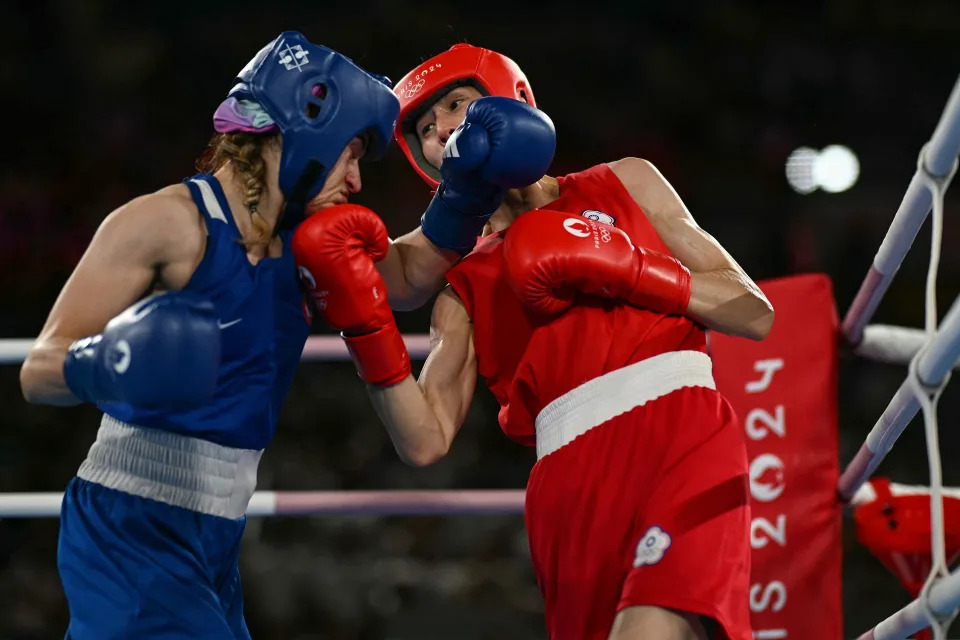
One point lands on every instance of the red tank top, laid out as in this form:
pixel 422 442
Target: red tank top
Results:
pixel 528 360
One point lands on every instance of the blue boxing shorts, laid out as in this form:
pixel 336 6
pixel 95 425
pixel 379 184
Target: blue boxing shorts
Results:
pixel 135 567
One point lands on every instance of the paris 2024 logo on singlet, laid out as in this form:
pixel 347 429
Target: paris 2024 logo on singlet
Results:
pixel 599 216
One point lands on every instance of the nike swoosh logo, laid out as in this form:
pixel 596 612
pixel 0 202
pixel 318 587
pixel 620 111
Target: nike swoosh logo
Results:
pixel 224 325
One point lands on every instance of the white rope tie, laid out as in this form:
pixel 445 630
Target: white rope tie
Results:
pixel 928 397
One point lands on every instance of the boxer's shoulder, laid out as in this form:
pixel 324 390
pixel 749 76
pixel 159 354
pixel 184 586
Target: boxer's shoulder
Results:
pixel 649 190
pixel 635 173
pixel 163 227
pixel 174 205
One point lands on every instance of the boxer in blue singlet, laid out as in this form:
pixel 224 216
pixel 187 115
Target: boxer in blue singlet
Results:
pixel 192 376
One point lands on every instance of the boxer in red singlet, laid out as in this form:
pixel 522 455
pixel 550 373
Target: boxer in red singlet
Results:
pixel 584 308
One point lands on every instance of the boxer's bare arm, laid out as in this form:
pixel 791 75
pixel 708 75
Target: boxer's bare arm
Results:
pixel 723 297
pixel 413 270
pixel 423 417
pixel 154 241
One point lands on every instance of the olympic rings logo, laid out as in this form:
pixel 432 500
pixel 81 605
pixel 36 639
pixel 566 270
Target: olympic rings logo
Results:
pixel 412 89
pixel 409 92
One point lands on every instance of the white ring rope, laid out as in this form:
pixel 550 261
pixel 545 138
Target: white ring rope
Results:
pixel 925 385
pixel 929 399
pixel 881 342
pixel 317 348
pixel 376 503
pixel 320 503
pixel 891 344
pixel 941 153
pixel 931 364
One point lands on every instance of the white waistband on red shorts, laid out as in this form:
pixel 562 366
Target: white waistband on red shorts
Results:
pixel 598 400
pixel 172 468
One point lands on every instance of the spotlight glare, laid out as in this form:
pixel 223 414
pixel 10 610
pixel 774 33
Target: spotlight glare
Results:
pixel 800 170
pixel 836 169
pixel 833 169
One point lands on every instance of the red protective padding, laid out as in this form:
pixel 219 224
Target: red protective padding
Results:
pixel 381 357
pixel 784 390
pixel 896 529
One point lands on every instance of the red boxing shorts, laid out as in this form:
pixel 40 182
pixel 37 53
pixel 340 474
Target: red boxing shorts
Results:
pixel 648 507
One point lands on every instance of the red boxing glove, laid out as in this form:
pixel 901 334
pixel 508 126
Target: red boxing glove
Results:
pixel 335 250
pixel 550 256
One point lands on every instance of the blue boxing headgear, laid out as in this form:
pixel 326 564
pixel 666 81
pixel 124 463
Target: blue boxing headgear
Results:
pixel 320 100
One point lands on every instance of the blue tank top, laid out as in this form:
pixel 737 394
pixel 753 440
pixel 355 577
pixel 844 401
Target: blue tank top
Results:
pixel 263 328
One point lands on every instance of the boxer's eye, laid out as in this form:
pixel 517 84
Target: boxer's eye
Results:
pixel 456 103
pixel 426 129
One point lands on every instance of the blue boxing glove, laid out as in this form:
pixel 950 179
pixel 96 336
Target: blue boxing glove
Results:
pixel 502 144
pixel 162 352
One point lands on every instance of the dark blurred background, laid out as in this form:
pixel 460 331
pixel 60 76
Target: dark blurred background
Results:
pixel 103 101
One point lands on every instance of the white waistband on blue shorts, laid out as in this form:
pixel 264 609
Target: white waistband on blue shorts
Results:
pixel 598 400
pixel 175 469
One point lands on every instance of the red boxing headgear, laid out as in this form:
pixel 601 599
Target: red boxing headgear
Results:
pixel 493 74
